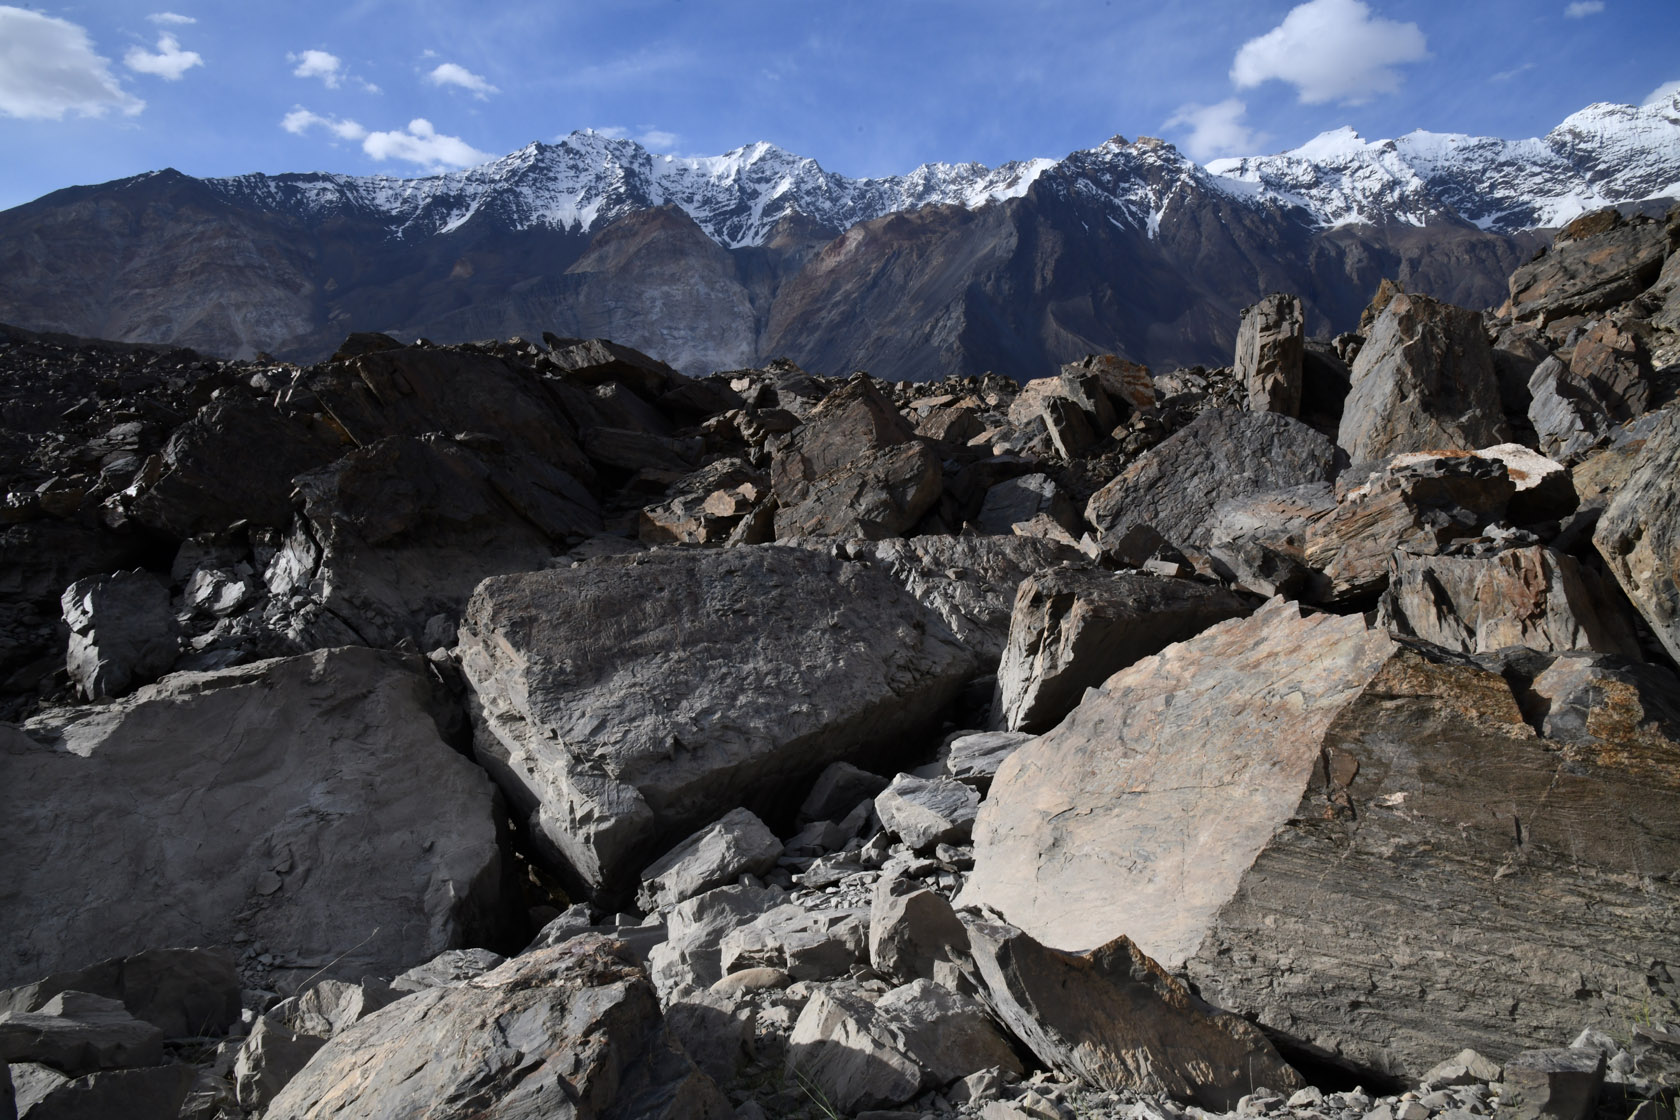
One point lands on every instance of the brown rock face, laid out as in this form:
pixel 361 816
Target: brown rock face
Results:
pixel 855 468
pixel 1270 344
pixel 1424 379
pixel 1612 362
pixel 1531 597
pixel 1639 534
pixel 1538 859
pixel 1587 274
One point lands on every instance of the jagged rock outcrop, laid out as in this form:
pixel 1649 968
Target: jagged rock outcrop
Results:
pixel 1584 272
pixel 1423 381
pixel 1271 343
pixel 1639 532
pixel 1071 630
pixel 574 1025
pixel 650 734
pixel 252 801
pixel 1223 453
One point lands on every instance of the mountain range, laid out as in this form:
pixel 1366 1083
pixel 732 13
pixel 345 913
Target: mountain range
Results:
pixel 728 261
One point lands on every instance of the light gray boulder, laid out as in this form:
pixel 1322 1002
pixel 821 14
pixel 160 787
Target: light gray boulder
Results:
pixel 329 1006
pixel 736 844
pixel 690 958
pixel 123 633
pixel 1556 1083
pixel 911 930
pixel 148 1093
pixel 271 1055
pixel 837 791
pixel 609 700
pixel 447 969
pixel 1015 500
pixel 927 811
pixel 299 802
pixel 1423 381
pixel 974 759
pixel 572 1030
pixel 1071 630
pixel 805 944
pixel 1567 419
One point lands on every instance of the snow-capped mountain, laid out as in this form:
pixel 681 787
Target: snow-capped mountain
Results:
pixel 1600 156
pixel 587 180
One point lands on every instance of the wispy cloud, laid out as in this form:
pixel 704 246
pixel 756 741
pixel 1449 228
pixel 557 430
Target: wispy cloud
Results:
pixel 657 140
pixel 171 18
pixel 318 64
pixel 1216 130
pixel 419 143
pixel 1663 93
pixel 1507 75
pixel 1583 8
pixel 422 144
pixel 48 68
pixel 1331 50
pixel 300 120
pixel 169 61
pixel 454 74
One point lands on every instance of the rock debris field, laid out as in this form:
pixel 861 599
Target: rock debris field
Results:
pixel 525 729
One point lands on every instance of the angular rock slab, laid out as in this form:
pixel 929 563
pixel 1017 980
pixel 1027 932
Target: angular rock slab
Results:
pixel 626 701
pixel 1118 1021
pixel 736 844
pixel 123 633
pixel 572 1031
pixel 1639 533
pixel 1071 630
pixel 308 802
pixel 1530 597
pixel 1538 860
pixel 187 993
pixel 1223 453
pixel 1424 380
pixel 1099 827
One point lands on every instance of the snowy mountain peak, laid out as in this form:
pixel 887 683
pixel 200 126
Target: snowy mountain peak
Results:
pixel 1602 155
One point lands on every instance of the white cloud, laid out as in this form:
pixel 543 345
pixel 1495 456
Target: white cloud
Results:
pixel 171 18
pixel 611 132
pixel 424 145
pixel 657 140
pixel 1216 130
pixel 318 64
pixel 1663 93
pixel 452 74
pixel 169 62
pixel 1583 8
pixel 1331 50
pixel 300 120
pixel 48 68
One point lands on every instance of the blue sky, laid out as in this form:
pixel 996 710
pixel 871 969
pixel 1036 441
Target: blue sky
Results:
pixel 96 90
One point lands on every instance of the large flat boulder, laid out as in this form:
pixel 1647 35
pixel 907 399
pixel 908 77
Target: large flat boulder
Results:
pixel 570 1031
pixel 1071 630
pixel 1639 532
pixel 1423 381
pixel 1582 275
pixel 1269 805
pixel 309 804
pixel 1224 453
pixel 626 701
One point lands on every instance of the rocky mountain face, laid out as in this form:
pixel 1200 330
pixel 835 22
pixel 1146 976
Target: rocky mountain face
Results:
pixel 725 262
pixel 526 728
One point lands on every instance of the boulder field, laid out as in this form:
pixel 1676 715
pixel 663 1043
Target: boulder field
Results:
pixel 524 728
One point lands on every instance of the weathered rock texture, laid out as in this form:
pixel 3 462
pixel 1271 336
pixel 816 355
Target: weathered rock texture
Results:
pixel 1268 803
pixel 1223 453
pixel 1097 828
pixel 187 993
pixel 1424 380
pixel 1071 630
pixel 251 800
pixel 573 1031
pixel 1270 345
pixel 1117 1020
pixel 1639 533
pixel 1539 861
pixel 624 702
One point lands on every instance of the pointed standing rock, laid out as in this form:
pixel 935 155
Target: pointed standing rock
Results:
pixel 1639 534
pixel 1271 343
